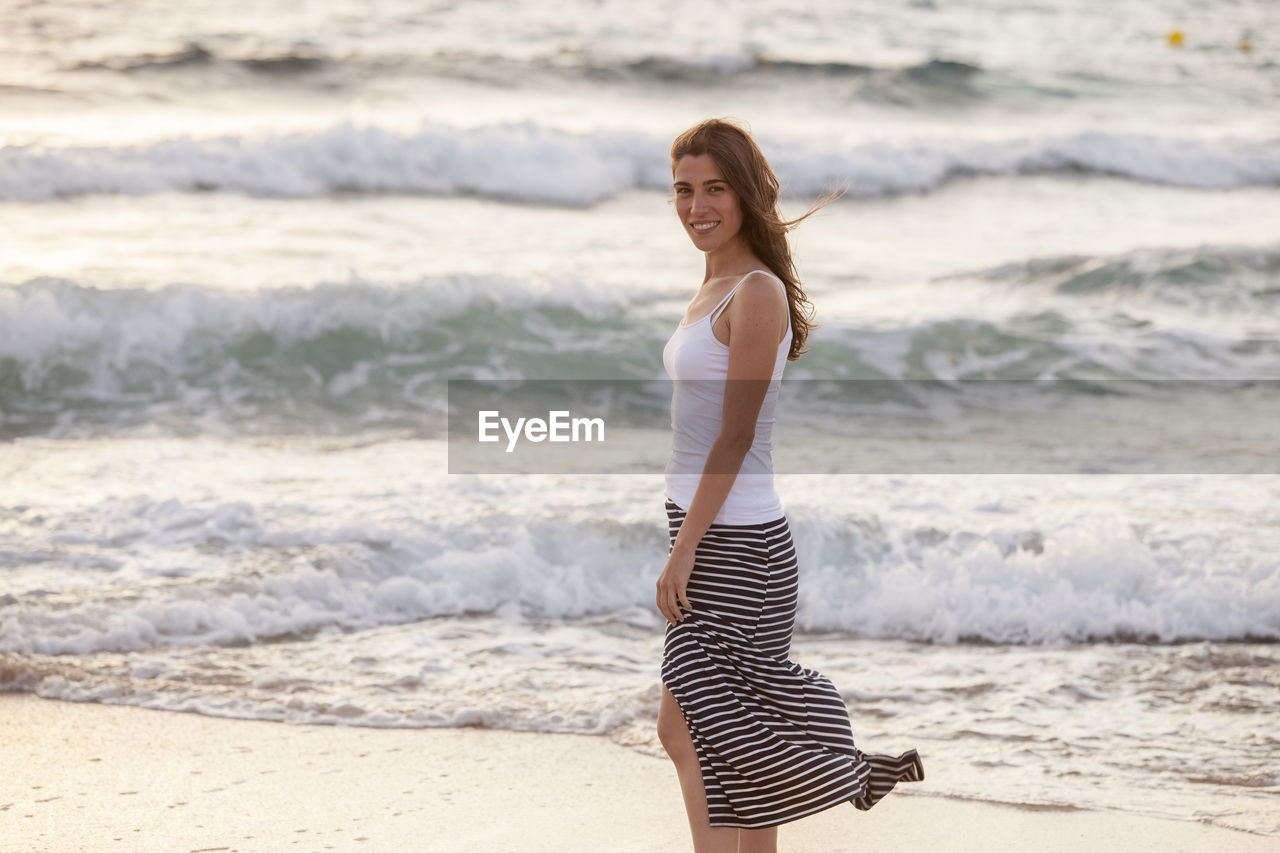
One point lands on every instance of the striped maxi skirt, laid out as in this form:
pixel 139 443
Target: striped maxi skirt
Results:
pixel 773 739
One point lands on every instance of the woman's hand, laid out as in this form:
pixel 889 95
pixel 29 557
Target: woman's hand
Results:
pixel 673 583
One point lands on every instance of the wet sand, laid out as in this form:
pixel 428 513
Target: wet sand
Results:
pixel 90 777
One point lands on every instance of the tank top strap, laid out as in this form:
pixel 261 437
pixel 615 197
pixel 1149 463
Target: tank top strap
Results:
pixel 715 312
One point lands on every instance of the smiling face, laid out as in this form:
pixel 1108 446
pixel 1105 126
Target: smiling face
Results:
pixel 706 204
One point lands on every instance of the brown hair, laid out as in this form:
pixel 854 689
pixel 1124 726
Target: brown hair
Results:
pixel 763 228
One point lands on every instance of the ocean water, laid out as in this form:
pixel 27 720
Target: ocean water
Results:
pixel 243 248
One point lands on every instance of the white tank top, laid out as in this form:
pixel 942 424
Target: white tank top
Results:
pixel 699 364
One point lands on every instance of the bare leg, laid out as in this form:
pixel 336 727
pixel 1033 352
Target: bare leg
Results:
pixel 758 840
pixel 674 735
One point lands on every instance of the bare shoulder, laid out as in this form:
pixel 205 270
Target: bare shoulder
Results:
pixel 760 293
pixel 761 302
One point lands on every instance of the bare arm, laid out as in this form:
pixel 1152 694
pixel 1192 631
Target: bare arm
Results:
pixel 756 313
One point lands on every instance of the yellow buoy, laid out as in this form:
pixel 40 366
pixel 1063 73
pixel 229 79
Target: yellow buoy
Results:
pixel 1244 44
pixel 1175 39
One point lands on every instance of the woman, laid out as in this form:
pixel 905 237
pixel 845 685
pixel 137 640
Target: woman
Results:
pixel 756 739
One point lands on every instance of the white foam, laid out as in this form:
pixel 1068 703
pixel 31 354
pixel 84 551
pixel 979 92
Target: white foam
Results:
pixel 528 162
pixel 1084 580
pixel 1002 582
pixel 181 333
pixel 353 578
pixel 48 315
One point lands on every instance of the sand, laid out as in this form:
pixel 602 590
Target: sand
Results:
pixel 87 777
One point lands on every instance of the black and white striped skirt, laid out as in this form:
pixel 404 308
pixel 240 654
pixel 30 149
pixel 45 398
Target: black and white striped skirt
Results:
pixel 773 739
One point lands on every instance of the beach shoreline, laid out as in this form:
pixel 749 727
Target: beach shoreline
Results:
pixel 82 776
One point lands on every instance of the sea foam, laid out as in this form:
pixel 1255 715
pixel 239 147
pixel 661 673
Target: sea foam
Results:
pixel 366 354
pixel 534 163
pixel 252 575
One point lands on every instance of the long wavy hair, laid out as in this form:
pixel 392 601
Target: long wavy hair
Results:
pixel 765 231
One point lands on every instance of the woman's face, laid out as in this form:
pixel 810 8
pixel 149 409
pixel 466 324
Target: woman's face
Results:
pixel 706 204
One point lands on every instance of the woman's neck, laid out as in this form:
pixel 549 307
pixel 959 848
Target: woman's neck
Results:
pixel 733 258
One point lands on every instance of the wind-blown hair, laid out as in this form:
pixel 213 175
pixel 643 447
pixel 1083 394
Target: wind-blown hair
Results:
pixel 763 228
